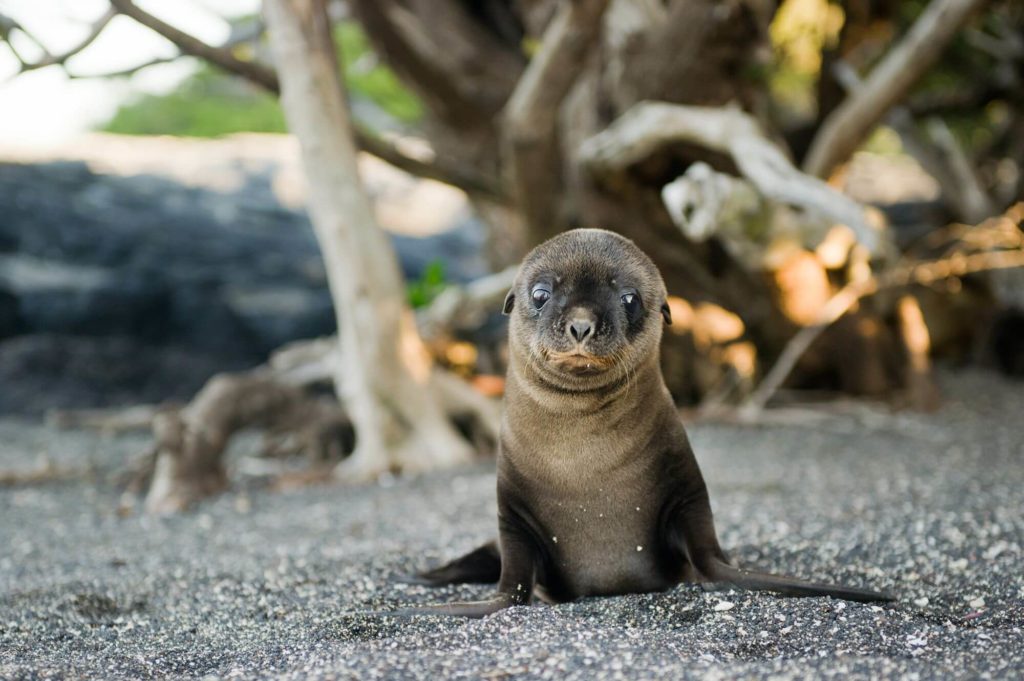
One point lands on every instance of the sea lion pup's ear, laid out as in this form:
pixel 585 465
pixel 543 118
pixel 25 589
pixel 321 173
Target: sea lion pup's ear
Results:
pixel 510 301
pixel 666 313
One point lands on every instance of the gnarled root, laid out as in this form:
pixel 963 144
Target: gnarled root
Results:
pixel 446 427
pixel 190 442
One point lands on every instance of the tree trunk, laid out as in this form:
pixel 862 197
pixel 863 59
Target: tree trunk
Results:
pixel 385 375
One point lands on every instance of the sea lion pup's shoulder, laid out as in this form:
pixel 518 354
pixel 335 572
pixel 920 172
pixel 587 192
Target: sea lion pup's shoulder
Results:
pixel 598 490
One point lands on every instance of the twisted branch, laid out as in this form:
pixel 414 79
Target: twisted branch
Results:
pixel 649 126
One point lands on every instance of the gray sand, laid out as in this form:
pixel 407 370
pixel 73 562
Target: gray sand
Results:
pixel 276 584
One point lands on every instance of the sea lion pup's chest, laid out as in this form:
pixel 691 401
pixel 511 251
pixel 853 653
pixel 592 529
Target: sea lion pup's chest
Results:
pixel 595 502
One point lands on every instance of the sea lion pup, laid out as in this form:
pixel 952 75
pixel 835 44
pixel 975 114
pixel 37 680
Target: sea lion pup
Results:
pixel 599 492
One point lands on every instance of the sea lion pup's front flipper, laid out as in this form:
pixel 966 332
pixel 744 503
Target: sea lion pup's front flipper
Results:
pixel 516 561
pixel 692 533
pixel 480 566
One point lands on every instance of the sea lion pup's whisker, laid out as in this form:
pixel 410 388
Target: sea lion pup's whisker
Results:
pixel 631 374
pixel 599 492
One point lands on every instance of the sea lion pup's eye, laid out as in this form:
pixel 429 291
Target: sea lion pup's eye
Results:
pixel 540 295
pixel 631 301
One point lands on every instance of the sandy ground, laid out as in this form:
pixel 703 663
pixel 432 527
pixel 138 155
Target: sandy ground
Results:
pixel 276 584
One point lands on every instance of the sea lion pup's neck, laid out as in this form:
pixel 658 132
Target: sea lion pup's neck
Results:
pixel 558 434
pixel 532 385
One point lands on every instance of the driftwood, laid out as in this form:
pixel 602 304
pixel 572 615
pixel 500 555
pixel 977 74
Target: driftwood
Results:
pixel 111 421
pixel 649 126
pixel 45 473
pixel 190 443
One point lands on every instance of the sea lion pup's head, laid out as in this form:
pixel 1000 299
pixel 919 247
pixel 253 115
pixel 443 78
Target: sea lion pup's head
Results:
pixel 587 308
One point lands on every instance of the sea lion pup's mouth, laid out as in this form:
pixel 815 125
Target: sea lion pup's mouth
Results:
pixel 578 362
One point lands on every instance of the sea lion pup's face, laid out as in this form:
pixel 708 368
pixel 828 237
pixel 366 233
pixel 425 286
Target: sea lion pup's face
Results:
pixel 587 308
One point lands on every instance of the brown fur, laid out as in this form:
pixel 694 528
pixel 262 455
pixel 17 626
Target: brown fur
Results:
pixel 599 492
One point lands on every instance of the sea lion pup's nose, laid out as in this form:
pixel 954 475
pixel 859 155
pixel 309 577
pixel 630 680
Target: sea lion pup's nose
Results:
pixel 580 329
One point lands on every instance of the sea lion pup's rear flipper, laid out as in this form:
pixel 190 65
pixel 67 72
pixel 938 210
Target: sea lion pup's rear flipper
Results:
pixel 479 566
pixel 693 533
pixel 789 586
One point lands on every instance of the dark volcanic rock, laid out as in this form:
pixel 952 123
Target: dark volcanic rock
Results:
pixel 149 258
pixel 167 269
pixel 10 317
pixel 45 371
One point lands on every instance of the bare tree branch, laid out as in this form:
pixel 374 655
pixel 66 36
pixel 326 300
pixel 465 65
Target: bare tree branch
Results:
pixel 60 59
pixel 847 126
pixel 531 114
pixel 126 72
pixel 7 26
pixel 649 126
pixel 973 201
pixel 258 73
pixel 485 67
pixel 438 168
pixel 943 159
pixel 696 42
pixel 533 106
pixel 249 34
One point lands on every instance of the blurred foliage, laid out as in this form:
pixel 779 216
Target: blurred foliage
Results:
pixel 884 141
pixel 211 103
pixel 368 77
pixel 422 291
pixel 207 104
pixel 799 32
pixel 802 29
